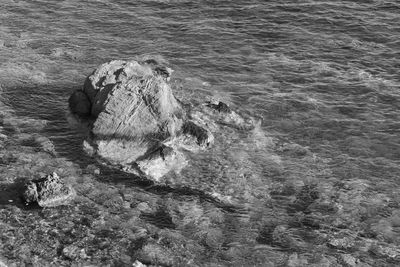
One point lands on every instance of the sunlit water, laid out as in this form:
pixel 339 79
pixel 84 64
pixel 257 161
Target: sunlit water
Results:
pixel 315 184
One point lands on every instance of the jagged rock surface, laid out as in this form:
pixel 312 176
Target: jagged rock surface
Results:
pixel 49 191
pixel 130 100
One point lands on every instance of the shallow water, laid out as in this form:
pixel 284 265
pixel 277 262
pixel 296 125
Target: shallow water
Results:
pixel 316 184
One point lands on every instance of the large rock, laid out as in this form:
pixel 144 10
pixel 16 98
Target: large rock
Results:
pixel 136 119
pixel 132 100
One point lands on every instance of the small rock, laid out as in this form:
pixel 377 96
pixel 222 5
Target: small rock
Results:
pixel 388 251
pixel 154 254
pixel 138 264
pixel 89 149
pixel 143 207
pixel 92 169
pixel 79 103
pixel 294 260
pixel 284 237
pixel 49 191
pixel 30 194
pixel 342 242
pixel 349 260
pixel 46 145
pixel 160 161
pixel 72 252
pixel 204 138
pixel 214 238
pixel 220 107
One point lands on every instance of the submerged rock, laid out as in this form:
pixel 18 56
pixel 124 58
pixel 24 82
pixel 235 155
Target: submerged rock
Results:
pixel 220 112
pixel 220 107
pixel 137 123
pixel 79 103
pixel 159 161
pixel 155 254
pixel 49 191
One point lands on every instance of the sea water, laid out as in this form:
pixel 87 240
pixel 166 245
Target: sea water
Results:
pixel 316 183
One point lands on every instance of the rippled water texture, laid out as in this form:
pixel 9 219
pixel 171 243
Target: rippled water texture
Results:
pixel 315 184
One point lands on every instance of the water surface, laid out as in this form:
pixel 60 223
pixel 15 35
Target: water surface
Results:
pixel 316 184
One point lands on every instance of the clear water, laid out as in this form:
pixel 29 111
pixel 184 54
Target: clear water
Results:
pixel 316 184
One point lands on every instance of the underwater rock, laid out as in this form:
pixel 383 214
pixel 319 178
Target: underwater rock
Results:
pixel 203 137
pixel 220 107
pixel 138 264
pixel 348 260
pixel 49 191
pixel 155 254
pixel 92 169
pixel 345 242
pixel 73 252
pixel 220 112
pixel 386 250
pixel 79 103
pixel 159 161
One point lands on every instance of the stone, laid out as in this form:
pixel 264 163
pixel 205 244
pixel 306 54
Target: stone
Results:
pixel 73 252
pixel 220 107
pixel 92 169
pixel 135 116
pixel 46 145
pixel 49 191
pixel 159 161
pixel 155 254
pixel 136 264
pixel 79 103
pixel 220 112
pixel 345 242
pixel 349 260
pixel 203 137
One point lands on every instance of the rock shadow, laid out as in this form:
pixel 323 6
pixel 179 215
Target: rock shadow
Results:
pixel 11 194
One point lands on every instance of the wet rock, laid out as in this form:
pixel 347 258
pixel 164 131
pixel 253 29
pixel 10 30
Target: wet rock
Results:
pixel 163 71
pixel 144 207
pixel 161 160
pixel 285 237
pixel 294 260
pixel 220 112
pixel 46 145
pixel 49 191
pixel 214 238
pixel 92 169
pixel 203 137
pixel 348 260
pixel 154 254
pixel 135 122
pixel 79 103
pixel 220 107
pixel 134 110
pixel 294 150
pixel 386 251
pixel 139 94
pixel 38 142
pixel 73 252
pixel 138 264
pixel 342 242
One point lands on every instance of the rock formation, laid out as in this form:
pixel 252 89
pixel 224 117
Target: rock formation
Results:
pixel 49 191
pixel 137 123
